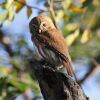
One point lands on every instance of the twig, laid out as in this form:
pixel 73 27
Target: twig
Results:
pixel 51 10
pixel 93 68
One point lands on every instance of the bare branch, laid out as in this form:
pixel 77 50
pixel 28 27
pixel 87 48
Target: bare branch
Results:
pixel 51 10
pixel 93 69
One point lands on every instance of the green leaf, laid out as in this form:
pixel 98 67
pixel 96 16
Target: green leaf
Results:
pixel 3 16
pixel 72 26
pixel 76 9
pixel 86 36
pixel 15 62
pixel 11 13
pixel 71 38
pixel 66 4
pixel 59 15
pixel 29 11
pixel 9 4
pixel 19 5
pixel 4 71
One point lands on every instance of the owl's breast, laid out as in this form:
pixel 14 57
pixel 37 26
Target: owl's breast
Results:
pixel 51 57
pixel 47 54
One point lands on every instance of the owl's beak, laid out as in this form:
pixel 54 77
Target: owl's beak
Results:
pixel 40 30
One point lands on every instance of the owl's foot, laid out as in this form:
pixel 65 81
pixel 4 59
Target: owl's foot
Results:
pixel 47 64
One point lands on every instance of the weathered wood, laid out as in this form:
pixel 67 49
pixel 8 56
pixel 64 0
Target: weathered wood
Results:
pixel 56 85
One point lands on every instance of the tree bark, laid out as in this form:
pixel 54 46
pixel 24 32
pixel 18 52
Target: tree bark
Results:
pixel 55 85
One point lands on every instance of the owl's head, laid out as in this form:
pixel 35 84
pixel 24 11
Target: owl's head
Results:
pixel 40 24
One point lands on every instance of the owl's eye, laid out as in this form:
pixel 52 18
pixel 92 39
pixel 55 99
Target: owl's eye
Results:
pixel 34 26
pixel 44 24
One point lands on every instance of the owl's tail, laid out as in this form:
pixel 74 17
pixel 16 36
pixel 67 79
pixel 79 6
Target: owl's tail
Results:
pixel 69 68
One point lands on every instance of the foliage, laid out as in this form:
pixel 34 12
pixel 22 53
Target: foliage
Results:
pixel 79 22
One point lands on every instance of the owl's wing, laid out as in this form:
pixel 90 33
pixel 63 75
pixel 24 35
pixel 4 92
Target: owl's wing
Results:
pixel 55 41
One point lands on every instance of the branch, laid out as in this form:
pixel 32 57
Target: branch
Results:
pixel 5 41
pixel 55 85
pixel 51 10
pixel 95 64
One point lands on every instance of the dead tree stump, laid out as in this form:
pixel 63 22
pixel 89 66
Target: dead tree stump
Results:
pixel 55 85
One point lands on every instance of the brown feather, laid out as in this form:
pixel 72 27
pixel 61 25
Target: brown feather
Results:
pixel 55 41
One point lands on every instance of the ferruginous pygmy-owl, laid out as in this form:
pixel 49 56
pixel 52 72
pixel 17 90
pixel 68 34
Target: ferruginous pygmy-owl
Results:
pixel 50 43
